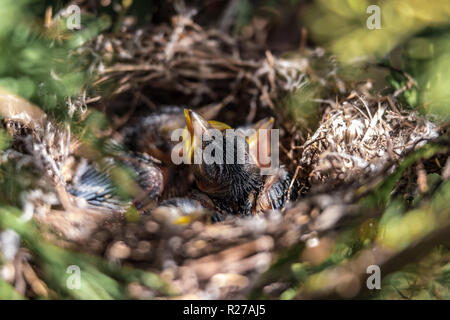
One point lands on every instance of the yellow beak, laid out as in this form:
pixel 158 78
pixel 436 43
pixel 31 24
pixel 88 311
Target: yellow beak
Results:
pixel 196 126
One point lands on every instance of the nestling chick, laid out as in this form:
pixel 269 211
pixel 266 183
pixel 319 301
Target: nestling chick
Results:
pixel 141 177
pixel 236 187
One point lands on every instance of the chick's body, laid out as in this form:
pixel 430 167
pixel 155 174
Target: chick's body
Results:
pixel 236 187
pixel 232 187
pixel 112 183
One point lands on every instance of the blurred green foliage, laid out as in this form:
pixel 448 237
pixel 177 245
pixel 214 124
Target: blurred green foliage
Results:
pixel 99 279
pixel 396 228
pixel 302 105
pixel 408 56
pixel 342 24
pixel 38 63
pixel 414 38
pixel 7 292
pixel 45 66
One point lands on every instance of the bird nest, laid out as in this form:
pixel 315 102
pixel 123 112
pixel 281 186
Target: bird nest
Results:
pixel 357 139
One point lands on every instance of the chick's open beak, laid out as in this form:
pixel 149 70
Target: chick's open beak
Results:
pixel 195 123
pixel 260 144
pixel 196 126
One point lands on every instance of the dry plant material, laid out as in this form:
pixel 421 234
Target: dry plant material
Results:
pixel 359 136
pixel 202 66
